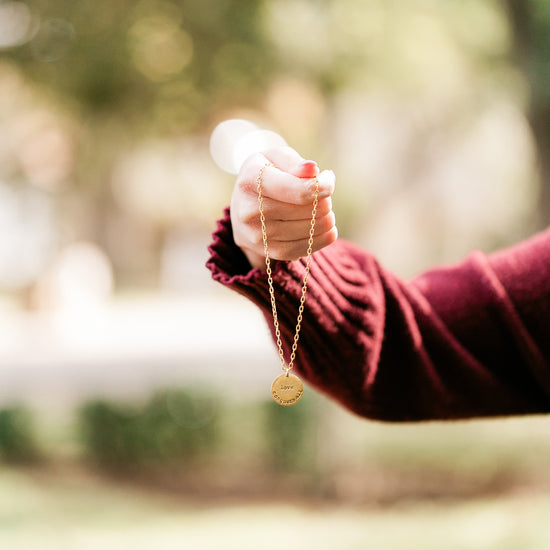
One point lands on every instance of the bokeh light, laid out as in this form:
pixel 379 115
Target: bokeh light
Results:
pixel 52 40
pixel 160 48
pixel 16 24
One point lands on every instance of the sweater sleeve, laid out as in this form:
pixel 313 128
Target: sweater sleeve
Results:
pixel 461 341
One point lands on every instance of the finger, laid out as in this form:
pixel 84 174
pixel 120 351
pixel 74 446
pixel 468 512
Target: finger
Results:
pixel 285 187
pixel 282 211
pixel 281 185
pixel 283 157
pixel 298 229
pixel 294 250
pixel 288 160
pixel 306 169
pixel 248 233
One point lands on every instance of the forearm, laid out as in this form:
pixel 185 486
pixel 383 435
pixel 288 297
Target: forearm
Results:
pixel 443 346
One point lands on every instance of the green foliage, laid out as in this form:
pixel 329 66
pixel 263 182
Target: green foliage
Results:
pixel 17 436
pixel 173 427
pixel 290 435
pixel 530 21
pixel 138 61
pixel 182 428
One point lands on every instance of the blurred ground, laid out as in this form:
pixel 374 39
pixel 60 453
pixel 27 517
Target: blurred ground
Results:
pixel 65 511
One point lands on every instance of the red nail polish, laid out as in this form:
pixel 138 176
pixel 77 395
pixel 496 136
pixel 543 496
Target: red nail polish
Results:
pixel 308 169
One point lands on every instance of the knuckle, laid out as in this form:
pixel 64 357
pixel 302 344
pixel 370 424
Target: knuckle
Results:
pixel 246 178
pixel 273 230
pixel 321 226
pixel 325 206
pixel 324 224
pixel 331 220
pixel 246 238
pixel 248 216
pixel 252 163
pixel 245 184
pixel 255 238
pixel 278 151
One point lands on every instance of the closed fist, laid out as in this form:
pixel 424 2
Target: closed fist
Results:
pixel 288 190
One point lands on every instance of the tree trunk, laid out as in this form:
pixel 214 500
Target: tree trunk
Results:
pixel 526 56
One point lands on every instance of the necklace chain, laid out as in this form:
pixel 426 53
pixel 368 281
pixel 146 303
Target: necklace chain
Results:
pixel 286 367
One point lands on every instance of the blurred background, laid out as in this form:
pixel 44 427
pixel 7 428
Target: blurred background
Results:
pixel 134 392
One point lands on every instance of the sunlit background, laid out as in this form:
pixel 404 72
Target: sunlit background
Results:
pixel 134 408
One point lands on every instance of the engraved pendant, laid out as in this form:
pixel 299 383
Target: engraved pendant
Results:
pixel 287 389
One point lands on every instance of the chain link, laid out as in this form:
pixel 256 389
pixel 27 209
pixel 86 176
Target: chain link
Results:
pixel 286 367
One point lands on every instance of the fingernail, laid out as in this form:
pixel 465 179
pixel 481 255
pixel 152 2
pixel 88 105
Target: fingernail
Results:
pixel 307 169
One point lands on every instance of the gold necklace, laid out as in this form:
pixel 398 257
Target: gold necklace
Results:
pixel 287 388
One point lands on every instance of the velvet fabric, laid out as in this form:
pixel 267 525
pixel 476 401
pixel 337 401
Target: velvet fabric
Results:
pixel 460 341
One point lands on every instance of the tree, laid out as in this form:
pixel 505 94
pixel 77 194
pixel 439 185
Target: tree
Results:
pixel 127 71
pixel 530 25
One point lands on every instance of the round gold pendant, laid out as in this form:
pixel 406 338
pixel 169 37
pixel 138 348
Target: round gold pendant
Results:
pixel 287 389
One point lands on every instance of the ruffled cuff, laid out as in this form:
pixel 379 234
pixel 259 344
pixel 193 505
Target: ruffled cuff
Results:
pixel 230 266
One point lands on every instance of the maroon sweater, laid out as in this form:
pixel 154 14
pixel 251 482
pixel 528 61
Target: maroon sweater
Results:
pixel 467 340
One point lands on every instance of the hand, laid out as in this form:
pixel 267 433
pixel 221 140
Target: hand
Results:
pixel 288 189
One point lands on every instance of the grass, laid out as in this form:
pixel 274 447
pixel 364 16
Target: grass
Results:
pixel 63 509
pixel 479 485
